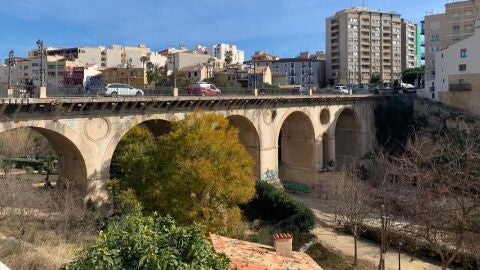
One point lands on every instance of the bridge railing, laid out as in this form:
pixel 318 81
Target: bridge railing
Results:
pixel 18 91
pixel 158 91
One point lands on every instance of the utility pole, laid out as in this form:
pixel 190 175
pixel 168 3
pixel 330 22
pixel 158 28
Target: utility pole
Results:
pixel 10 60
pixel 40 50
pixel 254 76
pixel 129 66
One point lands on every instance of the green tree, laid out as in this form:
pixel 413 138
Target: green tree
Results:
pixel 199 172
pixel 228 57
pixel 183 80
pixel 158 75
pixel 376 79
pixel 139 137
pixel 221 80
pixel 410 75
pixel 135 241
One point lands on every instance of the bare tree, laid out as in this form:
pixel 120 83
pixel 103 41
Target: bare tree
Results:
pixel 440 192
pixel 352 205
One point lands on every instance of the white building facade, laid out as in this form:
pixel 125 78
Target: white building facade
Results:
pixel 218 51
pixel 457 69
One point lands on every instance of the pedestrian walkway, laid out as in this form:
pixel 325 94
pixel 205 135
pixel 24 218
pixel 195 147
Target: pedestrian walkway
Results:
pixel 344 244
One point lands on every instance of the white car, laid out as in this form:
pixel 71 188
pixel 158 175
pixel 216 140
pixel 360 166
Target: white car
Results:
pixel 340 89
pixel 121 89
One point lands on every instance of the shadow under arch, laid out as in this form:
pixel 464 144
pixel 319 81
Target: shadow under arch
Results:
pixel 249 138
pixel 157 127
pixel 347 137
pixel 296 149
pixel 72 167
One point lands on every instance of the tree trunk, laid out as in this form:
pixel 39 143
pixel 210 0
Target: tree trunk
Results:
pixel 355 238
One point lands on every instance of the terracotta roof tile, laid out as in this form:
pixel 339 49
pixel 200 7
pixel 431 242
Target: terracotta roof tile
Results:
pixel 252 256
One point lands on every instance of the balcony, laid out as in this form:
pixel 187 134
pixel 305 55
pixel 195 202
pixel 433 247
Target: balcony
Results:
pixel 460 87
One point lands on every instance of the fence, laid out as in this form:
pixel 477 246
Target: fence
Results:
pixel 18 91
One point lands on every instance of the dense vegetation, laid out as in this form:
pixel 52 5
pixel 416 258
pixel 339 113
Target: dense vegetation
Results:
pixel 394 121
pixel 199 172
pixel 276 206
pixel 135 241
pixel 412 75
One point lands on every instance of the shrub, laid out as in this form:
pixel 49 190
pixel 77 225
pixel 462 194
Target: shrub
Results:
pixel 22 163
pixel 276 206
pixel 135 241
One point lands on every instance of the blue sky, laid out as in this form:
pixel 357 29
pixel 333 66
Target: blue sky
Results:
pixel 282 27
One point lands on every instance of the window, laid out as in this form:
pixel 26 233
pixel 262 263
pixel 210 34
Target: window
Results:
pixel 435 37
pixel 462 67
pixel 463 53
pixel 455 15
pixel 456 28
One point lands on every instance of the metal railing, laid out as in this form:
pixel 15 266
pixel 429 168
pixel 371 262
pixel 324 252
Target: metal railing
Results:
pixel 30 91
pixel 18 91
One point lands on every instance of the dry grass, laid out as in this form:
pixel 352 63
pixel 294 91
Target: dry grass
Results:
pixel 40 229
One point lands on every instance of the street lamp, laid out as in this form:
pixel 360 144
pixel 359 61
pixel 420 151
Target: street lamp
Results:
pixel 40 49
pixel 129 65
pixel 10 60
pixel 172 61
pixel 400 245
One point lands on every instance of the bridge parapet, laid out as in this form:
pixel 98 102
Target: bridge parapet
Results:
pixel 30 107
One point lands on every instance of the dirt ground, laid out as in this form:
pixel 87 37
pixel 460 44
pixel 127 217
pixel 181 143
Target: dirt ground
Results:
pixel 367 251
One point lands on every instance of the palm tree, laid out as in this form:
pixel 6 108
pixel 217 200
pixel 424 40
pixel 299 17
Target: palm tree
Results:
pixel 228 57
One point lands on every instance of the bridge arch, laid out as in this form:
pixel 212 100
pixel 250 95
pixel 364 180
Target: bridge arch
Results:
pixel 249 138
pixel 297 148
pixel 158 126
pixel 72 152
pixel 347 128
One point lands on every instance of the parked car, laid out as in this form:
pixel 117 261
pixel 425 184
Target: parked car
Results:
pixel 340 89
pixel 202 89
pixel 121 89
pixel 299 90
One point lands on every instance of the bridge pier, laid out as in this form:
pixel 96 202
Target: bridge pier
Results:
pixel 269 170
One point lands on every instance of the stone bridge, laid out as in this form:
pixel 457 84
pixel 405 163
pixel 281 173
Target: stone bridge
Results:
pixel 289 137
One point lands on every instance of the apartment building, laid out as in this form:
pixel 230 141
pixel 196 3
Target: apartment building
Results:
pixel 457 73
pixel 444 29
pixel 218 51
pixel 182 60
pixel 113 56
pixel 363 42
pixel 304 70
pixel 411 54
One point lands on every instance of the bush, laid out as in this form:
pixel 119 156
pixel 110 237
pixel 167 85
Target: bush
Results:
pixel 276 206
pixel 21 163
pixel 135 241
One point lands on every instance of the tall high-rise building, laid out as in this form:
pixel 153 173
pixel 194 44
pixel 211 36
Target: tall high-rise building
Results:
pixel 362 43
pixel 410 44
pixel 444 29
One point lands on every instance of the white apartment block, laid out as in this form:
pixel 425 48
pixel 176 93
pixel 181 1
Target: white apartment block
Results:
pixel 113 56
pixel 218 51
pixel 363 42
pixel 457 73
pixel 409 45
pixel 444 29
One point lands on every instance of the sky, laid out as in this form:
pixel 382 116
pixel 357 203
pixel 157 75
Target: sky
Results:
pixel 281 27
